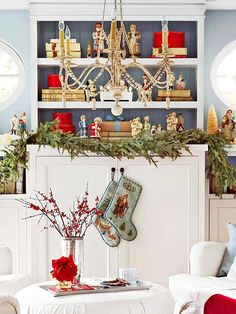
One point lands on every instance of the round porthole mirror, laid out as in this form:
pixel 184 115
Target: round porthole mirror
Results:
pixel 12 75
pixel 223 75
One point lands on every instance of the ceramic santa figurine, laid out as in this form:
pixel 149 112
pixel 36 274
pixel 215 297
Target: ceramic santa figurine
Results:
pixel 99 37
pixel 134 38
pixel 95 128
pixel 22 121
pixel 14 124
pixel 83 126
pixel 228 124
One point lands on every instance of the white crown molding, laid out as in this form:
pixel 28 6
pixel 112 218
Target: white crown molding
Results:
pixel 89 11
pixel 174 4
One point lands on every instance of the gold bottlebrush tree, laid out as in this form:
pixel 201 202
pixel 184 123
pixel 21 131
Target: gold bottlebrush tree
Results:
pixel 212 122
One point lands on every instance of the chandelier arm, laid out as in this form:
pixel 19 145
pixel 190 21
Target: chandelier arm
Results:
pixel 81 83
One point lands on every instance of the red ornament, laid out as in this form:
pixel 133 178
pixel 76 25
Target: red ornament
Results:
pixel 64 268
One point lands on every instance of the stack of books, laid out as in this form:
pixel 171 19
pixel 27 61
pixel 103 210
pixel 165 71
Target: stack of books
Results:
pixel 55 94
pixel 53 48
pixel 175 95
pixel 176 52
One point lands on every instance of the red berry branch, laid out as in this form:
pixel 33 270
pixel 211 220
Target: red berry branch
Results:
pixel 70 223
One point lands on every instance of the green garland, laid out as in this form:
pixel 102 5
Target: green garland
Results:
pixel 165 144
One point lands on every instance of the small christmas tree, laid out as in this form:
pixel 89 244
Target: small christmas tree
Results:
pixel 212 122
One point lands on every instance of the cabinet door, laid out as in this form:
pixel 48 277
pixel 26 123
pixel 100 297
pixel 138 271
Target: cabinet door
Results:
pixel 68 179
pixel 221 212
pixel 166 217
pixel 13 231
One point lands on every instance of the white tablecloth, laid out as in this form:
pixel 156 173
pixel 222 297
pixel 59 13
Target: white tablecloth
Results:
pixel 157 300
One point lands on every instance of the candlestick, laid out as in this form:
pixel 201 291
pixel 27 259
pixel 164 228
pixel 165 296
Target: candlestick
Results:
pixel 113 25
pixel 165 34
pixel 67 35
pixel 61 27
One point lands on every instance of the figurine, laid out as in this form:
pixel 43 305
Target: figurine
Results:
pixel 89 50
pixel 134 38
pixel 180 83
pixel 83 126
pixel 95 128
pixel 22 121
pixel 228 123
pixel 136 127
pixel 91 90
pixel 14 124
pixel 145 92
pixel 180 124
pixel 153 130
pixel 159 128
pixel 147 125
pixel 99 37
pixel 171 80
pixel 171 122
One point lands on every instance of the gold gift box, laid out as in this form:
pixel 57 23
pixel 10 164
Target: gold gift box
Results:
pixel 171 51
pixel 55 54
pixel 175 93
pixel 112 126
pixel 74 47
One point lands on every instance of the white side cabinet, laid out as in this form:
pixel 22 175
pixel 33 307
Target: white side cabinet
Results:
pixel 170 215
pixel 222 211
pixel 13 231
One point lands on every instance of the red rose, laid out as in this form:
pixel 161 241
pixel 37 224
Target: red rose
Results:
pixel 64 268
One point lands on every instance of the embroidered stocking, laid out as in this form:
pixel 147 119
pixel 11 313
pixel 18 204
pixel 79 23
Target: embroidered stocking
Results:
pixel 121 208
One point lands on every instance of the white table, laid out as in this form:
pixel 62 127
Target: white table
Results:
pixel 156 300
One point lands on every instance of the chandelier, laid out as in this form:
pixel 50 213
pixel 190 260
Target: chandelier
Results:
pixel 118 70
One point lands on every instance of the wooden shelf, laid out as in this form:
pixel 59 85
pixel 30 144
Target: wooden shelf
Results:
pixel 178 62
pixel 125 105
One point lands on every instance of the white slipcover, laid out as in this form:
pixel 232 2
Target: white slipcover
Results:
pixel 157 300
pixel 5 260
pixel 10 283
pixel 9 305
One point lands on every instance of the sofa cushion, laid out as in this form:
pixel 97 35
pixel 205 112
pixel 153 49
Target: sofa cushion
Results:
pixel 12 283
pixel 181 285
pixel 230 251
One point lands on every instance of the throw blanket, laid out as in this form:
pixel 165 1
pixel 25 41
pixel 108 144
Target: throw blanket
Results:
pixel 220 304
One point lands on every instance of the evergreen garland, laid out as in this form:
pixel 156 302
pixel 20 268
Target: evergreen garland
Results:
pixel 165 144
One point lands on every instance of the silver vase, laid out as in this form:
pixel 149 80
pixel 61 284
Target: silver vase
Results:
pixel 74 246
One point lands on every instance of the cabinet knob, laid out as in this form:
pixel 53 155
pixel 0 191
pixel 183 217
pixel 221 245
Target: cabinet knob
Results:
pixel 122 170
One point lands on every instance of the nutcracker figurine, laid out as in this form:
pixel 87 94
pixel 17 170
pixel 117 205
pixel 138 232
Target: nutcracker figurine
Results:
pixel 134 38
pixel 14 124
pixel 22 121
pixel 99 37
pixel 95 128
pixel 228 123
pixel 83 126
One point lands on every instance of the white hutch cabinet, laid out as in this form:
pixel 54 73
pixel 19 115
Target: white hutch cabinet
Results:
pixel 170 215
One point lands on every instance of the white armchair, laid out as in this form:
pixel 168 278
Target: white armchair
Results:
pixel 205 261
pixel 9 305
pixel 10 283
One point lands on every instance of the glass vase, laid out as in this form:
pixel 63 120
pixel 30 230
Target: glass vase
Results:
pixel 74 246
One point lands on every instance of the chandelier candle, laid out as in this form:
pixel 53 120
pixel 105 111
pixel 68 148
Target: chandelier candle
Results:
pixel 67 35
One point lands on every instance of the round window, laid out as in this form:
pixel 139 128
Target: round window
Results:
pixel 223 75
pixel 12 75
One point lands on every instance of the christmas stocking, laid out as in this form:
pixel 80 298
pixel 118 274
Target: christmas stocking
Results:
pixel 122 206
pixel 105 228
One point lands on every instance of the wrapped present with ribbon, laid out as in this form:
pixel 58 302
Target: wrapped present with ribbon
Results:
pixel 115 128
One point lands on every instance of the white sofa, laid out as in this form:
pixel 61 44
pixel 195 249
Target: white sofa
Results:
pixel 10 283
pixel 205 261
pixel 9 305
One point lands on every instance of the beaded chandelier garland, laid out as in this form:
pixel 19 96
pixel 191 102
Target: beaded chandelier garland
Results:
pixel 114 65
